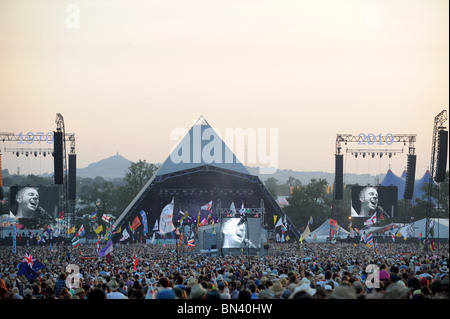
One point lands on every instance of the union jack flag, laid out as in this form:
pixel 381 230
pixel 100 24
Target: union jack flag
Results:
pixel 191 243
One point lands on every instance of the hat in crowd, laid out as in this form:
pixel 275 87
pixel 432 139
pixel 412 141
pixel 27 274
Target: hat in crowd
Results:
pixel 283 282
pixel 343 292
pixel 307 288
pixel 328 288
pixel 165 294
pixel 276 288
pixel 397 290
pixel 443 269
pixel 191 281
pixel 357 286
pixel 286 293
pixel 113 285
pixel 219 278
pixel 27 291
pixel 263 293
pixel 197 291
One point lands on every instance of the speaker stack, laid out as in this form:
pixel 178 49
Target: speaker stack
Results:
pixel 441 156
pixel 58 157
pixel 410 177
pixel 339 176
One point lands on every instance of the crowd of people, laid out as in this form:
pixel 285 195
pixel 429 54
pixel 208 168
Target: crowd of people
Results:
pixel 285 271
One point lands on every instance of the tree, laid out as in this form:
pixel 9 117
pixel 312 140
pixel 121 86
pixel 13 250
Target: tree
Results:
pixel 272 186
pixel 137 176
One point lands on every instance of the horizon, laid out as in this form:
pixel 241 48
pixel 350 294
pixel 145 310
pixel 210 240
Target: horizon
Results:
pixel 126 74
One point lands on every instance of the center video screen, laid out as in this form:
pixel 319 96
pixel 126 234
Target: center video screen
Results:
pixel 238 233
pixel 366 200
pixel 34 202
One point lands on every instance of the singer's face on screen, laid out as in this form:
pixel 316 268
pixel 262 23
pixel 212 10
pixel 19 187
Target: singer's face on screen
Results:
pixel 28 201
pixel 234 233
pixel 369 200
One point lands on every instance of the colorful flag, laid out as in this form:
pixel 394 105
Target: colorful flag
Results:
pixel 125 235
pixel 99 229
pixel 191 243
pixel 369 240
pixel 144 222
pixel 14 238
pixel 71 230
pixel 106 218
pixel 165 219
pixel 420 236
pixel 315 238
pixel 61 215
pixel 29 267
pixel 372 220
pixel 80 231
pixel 206 206
pixel 94 215
pixel 135 261
pixel 332 222
pixel 310 221
pixel 306 233
pixel 106 250
pixel 136 223
pixel 75 242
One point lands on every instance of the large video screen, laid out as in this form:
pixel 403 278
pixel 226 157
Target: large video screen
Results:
pixel 240 233
pixel 366 200
pixel 34 202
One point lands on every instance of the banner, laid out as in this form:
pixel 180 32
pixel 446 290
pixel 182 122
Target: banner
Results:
pixel 144 222
pixel 165 220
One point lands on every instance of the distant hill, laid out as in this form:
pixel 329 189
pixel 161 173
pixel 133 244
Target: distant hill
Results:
pixel 112 167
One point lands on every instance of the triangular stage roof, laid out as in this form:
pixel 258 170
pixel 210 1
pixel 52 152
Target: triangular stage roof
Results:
pixel 201 146
pixel 193 178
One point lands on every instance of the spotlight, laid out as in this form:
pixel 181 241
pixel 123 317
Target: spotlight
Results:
pixel 17 154
pixel 26 154
pixel 381 155
pixel 35 154
pixel 390 155
pixel 364 155
pixel 373 155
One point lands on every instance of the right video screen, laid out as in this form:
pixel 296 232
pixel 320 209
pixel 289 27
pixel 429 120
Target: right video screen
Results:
pixel 366 200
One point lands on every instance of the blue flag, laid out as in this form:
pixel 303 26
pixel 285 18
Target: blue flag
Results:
pixel 29 267
pixel 144 222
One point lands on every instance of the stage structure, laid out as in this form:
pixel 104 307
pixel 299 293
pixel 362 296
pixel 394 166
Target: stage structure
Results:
pixel 66 184
pixel 183 197
pixel 366 142
pixel 437 167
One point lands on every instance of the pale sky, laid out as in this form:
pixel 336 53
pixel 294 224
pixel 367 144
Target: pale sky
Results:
pixel 133 71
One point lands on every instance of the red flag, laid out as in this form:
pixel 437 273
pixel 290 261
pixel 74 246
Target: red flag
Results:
pixel 381 216
pixel 135 261
pixel 136 223
pixel 61 215
pixel 332 222
pixel 108 258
